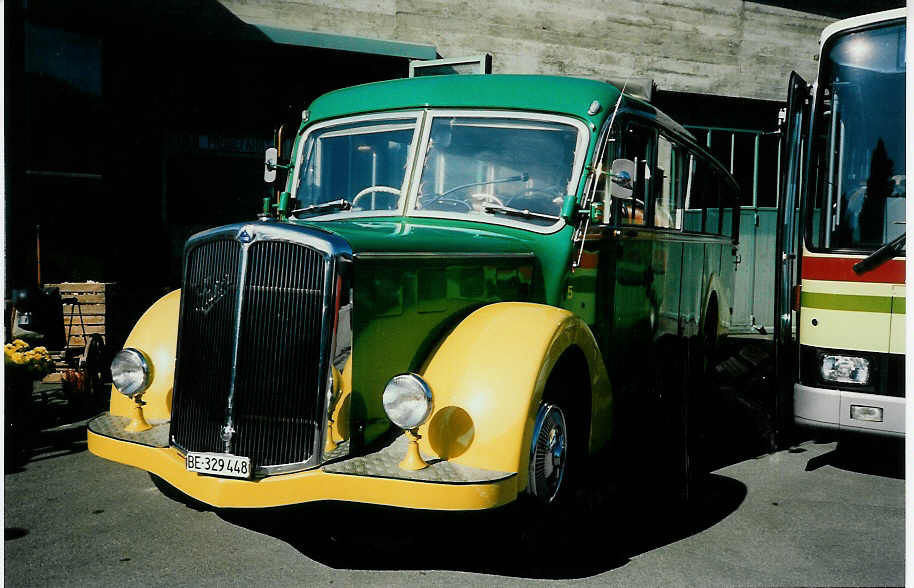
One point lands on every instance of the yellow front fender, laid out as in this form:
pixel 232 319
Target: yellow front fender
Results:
pixel 488 377
pixel 156 335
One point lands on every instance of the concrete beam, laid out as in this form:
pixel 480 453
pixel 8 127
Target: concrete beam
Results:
pixel 726 47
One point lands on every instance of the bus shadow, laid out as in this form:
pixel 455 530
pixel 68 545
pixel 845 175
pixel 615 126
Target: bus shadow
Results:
pixel 512 541
pixel 876 456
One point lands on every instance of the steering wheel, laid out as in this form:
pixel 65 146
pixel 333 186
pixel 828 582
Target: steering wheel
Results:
pixel 370 189
pixel 481 200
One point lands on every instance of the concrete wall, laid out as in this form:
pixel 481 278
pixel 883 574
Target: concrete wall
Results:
pixel 723 47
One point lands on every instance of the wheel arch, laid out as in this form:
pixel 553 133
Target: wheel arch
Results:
pixel 712 303
pixel 489 375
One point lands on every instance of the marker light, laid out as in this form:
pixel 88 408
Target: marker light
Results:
pixel 130 372
pixel 846 369
pixel 866 413
pixel 407 401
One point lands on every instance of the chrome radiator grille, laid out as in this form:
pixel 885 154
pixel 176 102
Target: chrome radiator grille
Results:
pixel 261 308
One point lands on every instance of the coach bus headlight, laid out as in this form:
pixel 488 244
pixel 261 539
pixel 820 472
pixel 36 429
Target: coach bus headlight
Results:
pixel 845 369
pixel 130 372
pixel 407 401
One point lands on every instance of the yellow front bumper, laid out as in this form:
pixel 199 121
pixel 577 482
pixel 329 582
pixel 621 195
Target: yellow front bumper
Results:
pixel 296 488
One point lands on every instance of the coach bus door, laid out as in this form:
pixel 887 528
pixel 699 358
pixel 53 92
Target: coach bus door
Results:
pixel 792 178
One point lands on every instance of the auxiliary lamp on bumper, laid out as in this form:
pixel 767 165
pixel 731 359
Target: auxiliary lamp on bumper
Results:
pixel 131 374
pixel 408 404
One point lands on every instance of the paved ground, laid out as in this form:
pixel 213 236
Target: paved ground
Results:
pixel 812 515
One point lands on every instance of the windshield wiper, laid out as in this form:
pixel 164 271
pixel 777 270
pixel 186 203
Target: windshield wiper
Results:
pixel 508 211
pixel 881 255
pixel 341 204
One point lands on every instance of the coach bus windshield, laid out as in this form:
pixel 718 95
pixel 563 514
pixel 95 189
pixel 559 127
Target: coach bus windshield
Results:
pixel 359 166
pixel 498 167
pixel 858 145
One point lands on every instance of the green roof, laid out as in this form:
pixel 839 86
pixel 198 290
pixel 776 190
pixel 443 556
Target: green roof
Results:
pixel 511 92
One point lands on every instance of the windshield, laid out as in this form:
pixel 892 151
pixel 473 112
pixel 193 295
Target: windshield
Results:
pixel 482 167
pixel 859 142
pixel 362 164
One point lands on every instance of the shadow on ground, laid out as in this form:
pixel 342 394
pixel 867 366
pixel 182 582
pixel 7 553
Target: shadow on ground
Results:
pixel 606 529
pixel 44 447
pixel 517 540
pixel 877 456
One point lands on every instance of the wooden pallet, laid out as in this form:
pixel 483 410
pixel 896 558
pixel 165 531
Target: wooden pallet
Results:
pixel 94 303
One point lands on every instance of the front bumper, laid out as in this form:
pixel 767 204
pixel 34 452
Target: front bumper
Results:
pixel 825 408
pixel 373 478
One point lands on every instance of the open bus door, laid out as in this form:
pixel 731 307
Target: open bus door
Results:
pixel 792 177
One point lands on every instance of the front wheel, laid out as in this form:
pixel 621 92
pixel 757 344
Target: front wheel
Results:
pixel 548 454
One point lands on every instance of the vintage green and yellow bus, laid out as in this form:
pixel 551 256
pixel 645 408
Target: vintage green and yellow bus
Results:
pixel 469 284
pixel 846 172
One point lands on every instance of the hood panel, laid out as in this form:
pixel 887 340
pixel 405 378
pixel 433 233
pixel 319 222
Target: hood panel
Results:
pixel 401 235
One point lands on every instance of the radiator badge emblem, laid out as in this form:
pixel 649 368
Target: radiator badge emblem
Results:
pixel 244 236
pixel 228 431
pixel 211 291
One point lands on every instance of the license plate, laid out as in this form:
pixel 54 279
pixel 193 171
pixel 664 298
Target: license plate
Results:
pixel 219 464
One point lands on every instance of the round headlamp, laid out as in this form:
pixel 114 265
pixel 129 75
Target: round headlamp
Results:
pixel 407 401
pixel 130 372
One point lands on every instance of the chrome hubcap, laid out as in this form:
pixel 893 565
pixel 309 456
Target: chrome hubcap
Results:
pixel 549 453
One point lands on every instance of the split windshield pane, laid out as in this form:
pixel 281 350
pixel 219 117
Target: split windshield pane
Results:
pixel 480 166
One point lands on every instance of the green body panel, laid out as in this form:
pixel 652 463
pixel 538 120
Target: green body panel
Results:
pixel 455 238
pixel 414 279
pixel 403 307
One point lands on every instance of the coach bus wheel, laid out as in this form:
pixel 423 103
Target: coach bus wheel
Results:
pixel 548 454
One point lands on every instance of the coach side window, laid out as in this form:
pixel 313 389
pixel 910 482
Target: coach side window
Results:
pixel 729 208
pixel 703 205
pixel 669 185
pixel 637 145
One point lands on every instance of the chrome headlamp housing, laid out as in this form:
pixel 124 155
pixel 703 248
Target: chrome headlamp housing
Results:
pixel 130 372
pixel 407 401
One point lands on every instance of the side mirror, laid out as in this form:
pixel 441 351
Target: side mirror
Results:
pixel 269 165
pixel 621 177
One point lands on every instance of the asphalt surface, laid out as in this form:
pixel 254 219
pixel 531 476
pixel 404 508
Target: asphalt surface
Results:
pixel 816 514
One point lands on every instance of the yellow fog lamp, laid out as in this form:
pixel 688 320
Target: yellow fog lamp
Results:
pixel 408 403
pixel 130 373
